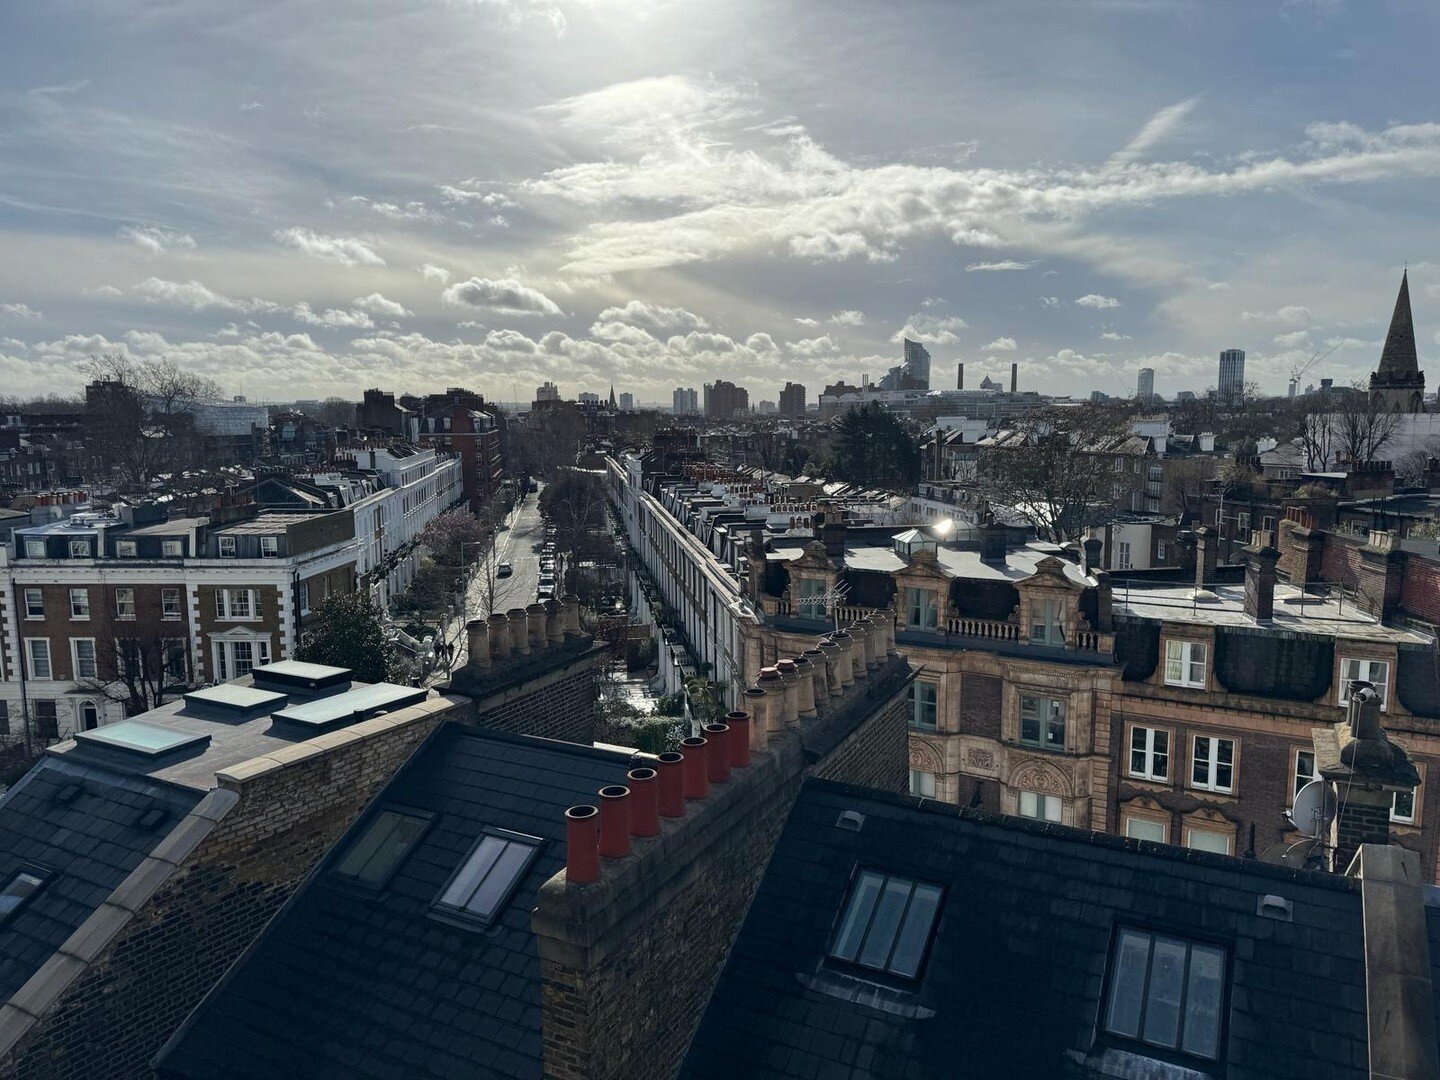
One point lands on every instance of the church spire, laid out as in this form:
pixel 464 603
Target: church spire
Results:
pixel 612 385
pixel 1399 356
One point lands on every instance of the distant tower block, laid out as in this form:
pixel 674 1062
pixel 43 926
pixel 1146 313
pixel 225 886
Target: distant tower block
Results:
pixel 959 376
pixel 1014 377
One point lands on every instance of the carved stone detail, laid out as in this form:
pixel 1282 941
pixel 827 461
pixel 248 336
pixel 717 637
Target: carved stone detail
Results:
pixel 1041 776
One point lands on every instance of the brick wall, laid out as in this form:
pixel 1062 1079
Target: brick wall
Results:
pixel 551 696
pixel 1420 589
pixel 115 1016
pixel 1340 562
pixel 980 704
pixel 876 754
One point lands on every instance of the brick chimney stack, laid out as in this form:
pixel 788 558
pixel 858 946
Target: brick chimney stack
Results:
pixel 1367 770
pixel 1207 557
pixel 1260 565
pixel 1092 546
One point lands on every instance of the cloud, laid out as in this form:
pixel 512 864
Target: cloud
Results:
pixel 1291 314
pixel 431 272
pixel 103 292
pixel 414 210
pixel 1007 264
pixel 377 304
pixel 19 311
pixel 653 317
pixel 1113 335
pixel 332 318
pixel 931 329
pixel 932 301
pixel 1156 130
pixel 504 294
pixel 848 318
pixel 157 239
pixel 1095 300
pixel 493 200
pixel 818 346
pixel 807 321
pixel 60 88
pixel 194 295
pixel 1001 344
pixel 1050 301
pixel 344 250
pixel 1292 340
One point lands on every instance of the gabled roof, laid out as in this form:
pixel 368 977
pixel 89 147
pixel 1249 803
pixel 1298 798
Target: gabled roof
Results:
pixel 89 828
pixel 1398 357
pixel 1016 969
pixel 344 984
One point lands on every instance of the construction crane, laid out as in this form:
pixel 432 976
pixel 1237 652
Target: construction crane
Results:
pixel 1315 358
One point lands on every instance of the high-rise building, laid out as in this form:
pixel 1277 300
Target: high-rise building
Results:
pixel 723 399
pixel 627 402
pixel 1145 384
pixel 588 398
pixel 917 364
pixel 548 392
pixel 1232 373
pixel 684 401
pixel 792 399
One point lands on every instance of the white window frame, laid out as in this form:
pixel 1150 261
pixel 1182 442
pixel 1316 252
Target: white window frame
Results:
pixel 165 609
pixel 94 672
pixel 917 706
pixel 34 604
pixel 120 612
pixel 1211 758
pixel 126 549
pixel 1146 823
pixel 80 549
pixel 225 606
pixel 226 547
pixel 31 657
pixel 1044 717
pixel 1122 555
pixel 1181 661
pixel 80 612
pixel 269 547
pixel 1299 776
pixel 35 549
pixel 1364 667
pixel 304 598
pixel 928 605
pixel 922 784
pixel 172 549
pixel 1051 617
pixel 1148 749
pixel 1041 804
pixel 1228 838
pixel 226 662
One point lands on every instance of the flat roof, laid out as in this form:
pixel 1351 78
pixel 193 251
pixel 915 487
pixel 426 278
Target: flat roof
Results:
pixel 1019 563
pixel 271 522
pixel 168 528
pixel 1295 611
pixel 143 738
pixel 326 712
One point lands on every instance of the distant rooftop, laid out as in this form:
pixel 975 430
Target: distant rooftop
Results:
pixel 271 521
pixel 1295 611
pixel 959 562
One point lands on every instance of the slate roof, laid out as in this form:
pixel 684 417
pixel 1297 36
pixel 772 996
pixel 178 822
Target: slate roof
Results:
pixel 1016 973
pixel 350 985
pixel 1398 357
pixel 83 824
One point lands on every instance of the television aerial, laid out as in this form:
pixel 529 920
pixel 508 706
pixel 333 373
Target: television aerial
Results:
pixel 1314 809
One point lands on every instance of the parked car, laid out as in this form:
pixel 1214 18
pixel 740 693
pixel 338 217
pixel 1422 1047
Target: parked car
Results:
pixel 545 592
pixel 504 570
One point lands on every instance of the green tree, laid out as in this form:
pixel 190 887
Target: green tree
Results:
pixel 346 632
pixel 870 447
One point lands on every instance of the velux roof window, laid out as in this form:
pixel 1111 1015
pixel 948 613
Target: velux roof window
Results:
pixel 23 884
pixel 887 925
pixel 378 851
pixel 1166 992
pixel 486 880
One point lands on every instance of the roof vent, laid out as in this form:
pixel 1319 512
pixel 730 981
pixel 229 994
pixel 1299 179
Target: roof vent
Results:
pixel 136 738
pixel 231 701
pixel 1275 907
pixel 150 818
pixel 288 676
pixel 850 820
pixel 337 710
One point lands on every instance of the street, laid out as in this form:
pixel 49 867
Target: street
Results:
pixel 516 546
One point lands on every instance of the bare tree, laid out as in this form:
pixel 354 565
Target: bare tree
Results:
pixel 137 667
pixel 1354 426
pixel 1053 468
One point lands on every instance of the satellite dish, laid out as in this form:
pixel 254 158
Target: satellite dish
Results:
pixel 1306 855
pixel 1314 808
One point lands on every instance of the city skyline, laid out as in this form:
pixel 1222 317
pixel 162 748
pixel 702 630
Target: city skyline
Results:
pixel 477 198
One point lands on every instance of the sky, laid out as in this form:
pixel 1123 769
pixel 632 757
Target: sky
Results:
pixel 308 199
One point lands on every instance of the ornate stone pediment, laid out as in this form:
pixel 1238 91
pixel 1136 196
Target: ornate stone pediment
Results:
pixel 1042 776
pixel 925 758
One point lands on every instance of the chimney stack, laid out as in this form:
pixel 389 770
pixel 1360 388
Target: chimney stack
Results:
pixel 1092 547
pixel 1368 771
pixel 993 536
pixel 1207 557
pixel 1014 377
pixel 1260 581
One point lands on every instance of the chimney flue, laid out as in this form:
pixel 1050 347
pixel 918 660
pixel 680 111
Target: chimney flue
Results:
pixel 717 753
pixel 739 740
pixel 582 845
pixel 614 821
pixel 694 770
pixel 1260 583
pixel 671 767
pixel 644 802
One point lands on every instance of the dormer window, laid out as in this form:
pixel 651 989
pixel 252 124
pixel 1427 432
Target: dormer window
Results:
pixel 125 549
pixel 35 549
pixel 79 549
pixel 1047 622
pixel 922 609
pixel 810 598
pixel 269 547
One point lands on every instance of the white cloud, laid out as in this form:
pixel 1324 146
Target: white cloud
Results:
pixel 1156 130
pixel 653 317
pixel 1291 314
pixel 1293 340
pixel 1007 264
pixel 932 301
pixel 194 295
pixel 414 210
pixel 60 88
pixel 931 329
pixel 102 292
pixel 503 294
pixel 19 311
pixel 807 321
pixel 157 239
pixel 1001 344
pixel 431 272
pixel 1050 301
pixel 344 250
pixel 332 318
pixel 1095 300
pixel 1115 335
pixel 848 318
pixel 818 346
pixel 377 304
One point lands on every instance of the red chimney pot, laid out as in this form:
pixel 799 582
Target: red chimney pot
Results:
pixel 582 840
pixel 614 821
pixel 672 786
pixel 739 740
pixel 697 784
pixel 644 802
pixel 717 754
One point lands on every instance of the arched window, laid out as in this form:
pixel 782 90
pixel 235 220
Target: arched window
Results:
pixel 89 716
